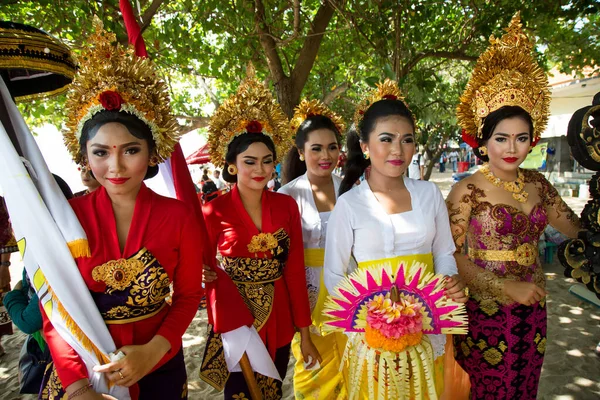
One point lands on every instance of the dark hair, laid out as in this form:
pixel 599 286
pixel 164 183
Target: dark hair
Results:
pixel 292 166
pixel 493 119
pixel 134 125
pixel 356 164
pixel 240 144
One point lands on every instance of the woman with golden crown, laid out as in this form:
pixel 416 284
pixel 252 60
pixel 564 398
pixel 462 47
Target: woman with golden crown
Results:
pixel 258 235
pixel 120 127
pixel 317 137
pixel 389 220
pixel 497 216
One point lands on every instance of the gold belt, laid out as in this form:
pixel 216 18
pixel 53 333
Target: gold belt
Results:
pixel 524 255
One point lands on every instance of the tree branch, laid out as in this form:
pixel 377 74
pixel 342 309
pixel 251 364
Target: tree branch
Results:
pixel 282 43
pixel 209 92
pixel 329 97
pixel 146 18
pixel 268 42
pixel 310 48
pixel 451 55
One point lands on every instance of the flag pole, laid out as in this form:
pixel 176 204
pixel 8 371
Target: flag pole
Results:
pixel 248 373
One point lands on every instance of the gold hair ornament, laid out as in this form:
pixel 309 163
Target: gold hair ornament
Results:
pixel 111 77
pixel 251 110
pixel 309 108
pixel 506 74
pixel 386 90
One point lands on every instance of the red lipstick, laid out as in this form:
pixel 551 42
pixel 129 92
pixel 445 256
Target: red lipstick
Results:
pixel 259 179
pixel 325 165
pixel 510 159
pixel 117 181
pixel 396 163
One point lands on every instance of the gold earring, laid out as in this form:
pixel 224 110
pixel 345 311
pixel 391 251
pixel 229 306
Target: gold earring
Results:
pixel 366 155
pixel 301 157
pixel 153 161
pixel 232 169
pixel 483 150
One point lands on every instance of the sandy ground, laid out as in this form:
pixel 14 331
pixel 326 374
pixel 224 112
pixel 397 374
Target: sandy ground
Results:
pixel 571 368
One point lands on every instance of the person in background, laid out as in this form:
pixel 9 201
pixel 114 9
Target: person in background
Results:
pixel 454 160
pixel 416 169
pixel 217 179
pixel 8 245
pixel 443 160
pixel 309 166
pixel 88 180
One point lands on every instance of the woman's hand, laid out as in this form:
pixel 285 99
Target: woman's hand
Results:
pixel 208 275
pixel 137 363
pixel 525 293
pixel 309 349
pixel 455 289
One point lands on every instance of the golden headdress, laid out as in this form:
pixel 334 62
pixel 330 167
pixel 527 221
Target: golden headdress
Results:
pixel 253 110
pixel 308 108
pixel 114 78
pixel 506 74
pixel 387 89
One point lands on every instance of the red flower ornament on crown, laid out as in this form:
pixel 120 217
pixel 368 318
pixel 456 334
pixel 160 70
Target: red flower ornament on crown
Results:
pixel 110 100
pixel 254 127
pixel 468 139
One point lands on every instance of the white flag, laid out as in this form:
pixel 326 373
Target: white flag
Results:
pixel 49 236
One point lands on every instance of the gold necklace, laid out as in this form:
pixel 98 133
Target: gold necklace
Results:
pixel 517 188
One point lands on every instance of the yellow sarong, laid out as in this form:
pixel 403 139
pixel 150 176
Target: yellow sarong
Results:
pixel 327 382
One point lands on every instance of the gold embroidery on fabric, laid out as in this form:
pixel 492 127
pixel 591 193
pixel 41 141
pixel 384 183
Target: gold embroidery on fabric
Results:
pixel 492 356
pixel 241 396
pixel 148 286
pixel 184 390
pixel 262 243
pixel 117 274
pixel 252 270
pixel 269 387
pixel 214 367
pixel 549 195
pixel 259 300
pixel 525 255
pixel 502 346
pixel 271 242
pixel 53 389
pixel 255 277
pixel 151 287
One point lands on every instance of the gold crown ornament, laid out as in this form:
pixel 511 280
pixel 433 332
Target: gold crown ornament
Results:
pixel 114 78
pixel 506 74
pixel 251 110
pixel 386 90
pixel 309 108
